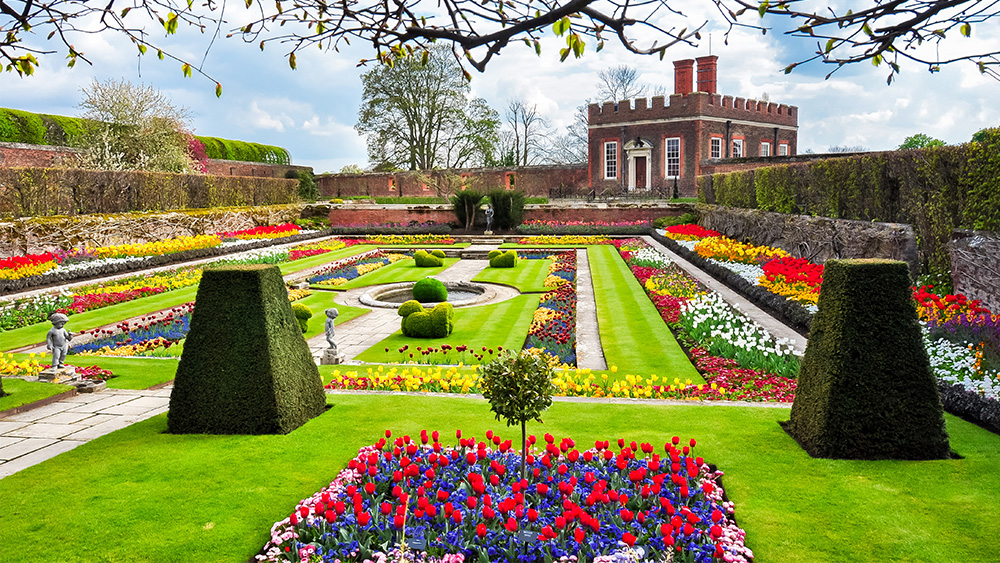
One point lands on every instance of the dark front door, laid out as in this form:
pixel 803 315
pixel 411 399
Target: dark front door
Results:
pixel 640 173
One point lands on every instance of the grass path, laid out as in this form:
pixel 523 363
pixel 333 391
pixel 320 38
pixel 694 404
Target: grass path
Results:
pixel 501 324
pixel 397 272
pixel 20 392
pixel 527 276
pixel 633 335
pixel 154 497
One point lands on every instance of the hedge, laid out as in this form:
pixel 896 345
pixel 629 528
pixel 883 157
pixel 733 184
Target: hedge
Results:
pixel 18 126
pixel 937 190
pixel 246 369
pixel 32 192
pixel 866 389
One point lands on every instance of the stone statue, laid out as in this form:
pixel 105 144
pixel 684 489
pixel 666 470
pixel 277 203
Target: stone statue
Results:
pixel 489 218
pixel 58 339
pixel 331 314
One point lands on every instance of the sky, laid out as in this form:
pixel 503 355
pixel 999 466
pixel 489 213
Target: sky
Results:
pixel 312 111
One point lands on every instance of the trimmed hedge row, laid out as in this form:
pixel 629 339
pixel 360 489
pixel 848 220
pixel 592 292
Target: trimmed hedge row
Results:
pixel 792 313
pixel 34 192
pixel 970 406
pixel 18 126
pixel 62 277
pixel 937 190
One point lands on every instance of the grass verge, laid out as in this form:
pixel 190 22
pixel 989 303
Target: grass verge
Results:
pixel 501 324
pixel 528 276
pixel 633 334
pixel 218 496
pixel 21 392
pixel 397 272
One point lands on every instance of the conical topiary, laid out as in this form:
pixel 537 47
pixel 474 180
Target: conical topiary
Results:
pixel 866 389
pixel 246 369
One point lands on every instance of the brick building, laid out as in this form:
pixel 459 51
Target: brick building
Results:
pixel 650 144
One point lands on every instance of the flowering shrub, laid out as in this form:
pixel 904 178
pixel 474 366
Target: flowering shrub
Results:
pixel 263 232
pixel 564 239
pixel 689 232
pixel 468 500
pixel 25 266
pixel 722 248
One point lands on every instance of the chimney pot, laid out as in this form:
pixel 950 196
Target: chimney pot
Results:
pixel 707 73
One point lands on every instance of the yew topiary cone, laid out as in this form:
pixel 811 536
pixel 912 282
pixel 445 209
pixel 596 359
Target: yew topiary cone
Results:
pixel 246 369
pixel 866 389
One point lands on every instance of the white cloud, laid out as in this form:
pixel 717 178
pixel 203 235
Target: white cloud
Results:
pixel 264 120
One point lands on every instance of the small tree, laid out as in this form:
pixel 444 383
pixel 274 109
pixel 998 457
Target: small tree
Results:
pixel 465 204
pixel 133 127
pixel 519 388
pixel 921 141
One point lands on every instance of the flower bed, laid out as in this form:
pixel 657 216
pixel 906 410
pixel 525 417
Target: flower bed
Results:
pixel 469 503
pixel 564 239
pixel 689 231
pixel 582 227
pixel 26 266
pixel 138 338
pixel 263 232
pixel 342 271
pixel 553 326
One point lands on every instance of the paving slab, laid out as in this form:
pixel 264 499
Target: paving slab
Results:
pixel 40 412
pixel 589 353
pixel 65 418
pixel 37 456
pixel 24 447
pixel 40 430
pixel 6 425
pixel 105 403
pixel 8 440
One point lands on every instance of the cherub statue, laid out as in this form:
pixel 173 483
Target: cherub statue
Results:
pixel 58 339
pixel 331 314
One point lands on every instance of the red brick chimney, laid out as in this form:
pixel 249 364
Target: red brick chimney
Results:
pixel 706 73
pixel 683 76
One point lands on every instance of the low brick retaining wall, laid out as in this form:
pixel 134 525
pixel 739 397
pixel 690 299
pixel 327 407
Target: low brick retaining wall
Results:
pixel 975 266
pixel 354 214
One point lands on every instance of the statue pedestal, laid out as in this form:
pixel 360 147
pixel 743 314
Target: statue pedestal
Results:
pixel 331 357
pixel 487 232
pixel 58 375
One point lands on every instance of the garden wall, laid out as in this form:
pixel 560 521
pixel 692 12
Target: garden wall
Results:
pixel 535 181
pixel 975 266
pixel 937 190
pixel 34 235
pixel 28 192
pixel 355 214
pixel 817 239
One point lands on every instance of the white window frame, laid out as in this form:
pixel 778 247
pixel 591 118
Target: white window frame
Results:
pixel 737 149
pixel 783 149
pixel 765 148
pixel 715 147
pixel 672 157
pixel 611 160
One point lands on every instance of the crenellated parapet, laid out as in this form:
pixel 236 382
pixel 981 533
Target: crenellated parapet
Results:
pixel 692 105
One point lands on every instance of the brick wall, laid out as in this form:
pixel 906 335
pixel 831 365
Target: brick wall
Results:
pixel 535 181
pixel 975 266
pixel 356 214
pixel 258 169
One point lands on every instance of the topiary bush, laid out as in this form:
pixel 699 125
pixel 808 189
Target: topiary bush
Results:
pixel 505 260
pixel 424 259
pixel 438 252
pixel 866 389
pixel 430 290
pixel 302 314
pixel 245 368
pixel 418 322
pixel 494 253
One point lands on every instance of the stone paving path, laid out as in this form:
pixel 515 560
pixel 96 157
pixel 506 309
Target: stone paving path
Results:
pixel 589 353
pixel 34 436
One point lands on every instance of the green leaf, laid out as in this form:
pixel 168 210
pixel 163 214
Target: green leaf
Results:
pixel 171 24
pixel 186 70
pixel 159 54
pixel 829 45
pixel 291 60
pixel 538 47
pixel 561 26
pixel 320 28
pixel 142 49
pixel 876 60
pixel 966 29
pixel 249 3
pixel 218 90
pixel 762 9
pixel 126 11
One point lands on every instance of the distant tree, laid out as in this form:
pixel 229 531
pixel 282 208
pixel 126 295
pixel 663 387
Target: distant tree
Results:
pixel 980 136
pixel 133 127
pixel 525 132
pixel 417 114
pixel 847 148
pixel 920 141
pixel 620 82
pixel 571 146
pixel 352 169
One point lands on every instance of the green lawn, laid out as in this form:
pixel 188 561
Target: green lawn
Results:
pixel 21 392
pixel 150 496
pixel 319 302
pixel 633 334
pixel 528 276
pixel 397 272
pixel 501 324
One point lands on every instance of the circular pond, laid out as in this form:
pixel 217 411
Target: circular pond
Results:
pixel 460 294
